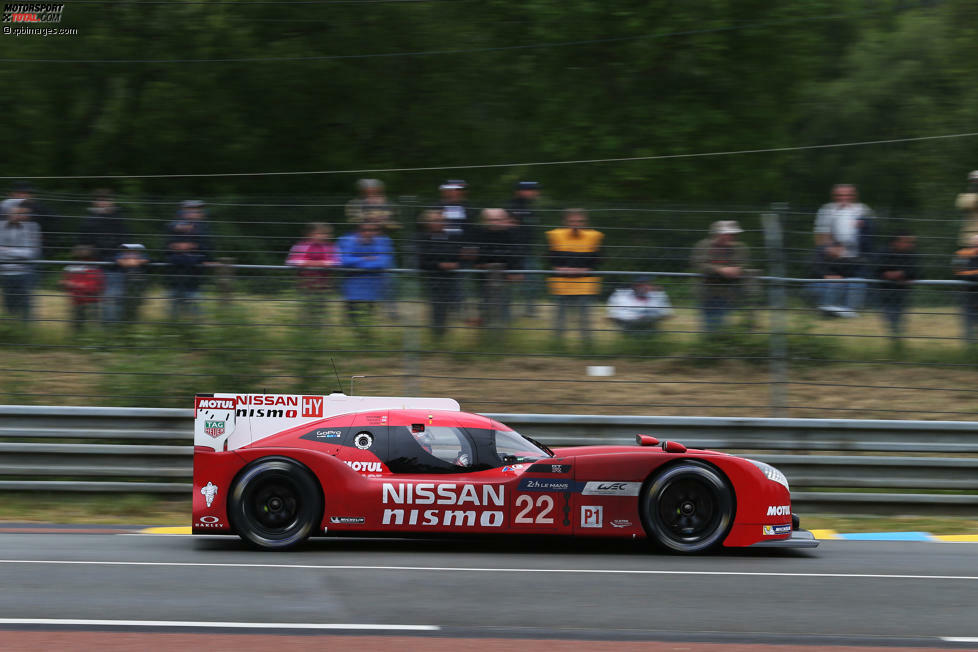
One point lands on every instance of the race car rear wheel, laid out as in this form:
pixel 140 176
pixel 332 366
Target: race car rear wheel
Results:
pixel 275 504
pixel 687 508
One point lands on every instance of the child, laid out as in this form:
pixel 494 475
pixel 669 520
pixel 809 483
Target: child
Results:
pixel 84 283
pixel 314 255
pixel 898 270
pixel 131 263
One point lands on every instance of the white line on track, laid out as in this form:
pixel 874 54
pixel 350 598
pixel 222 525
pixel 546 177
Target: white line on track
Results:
pixel 466 569
pixel 205 623
pixel 960 639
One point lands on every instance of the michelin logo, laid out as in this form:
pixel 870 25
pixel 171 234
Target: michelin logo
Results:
pixel 775 530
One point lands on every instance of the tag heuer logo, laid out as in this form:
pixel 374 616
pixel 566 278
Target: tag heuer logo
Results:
pixel 214 428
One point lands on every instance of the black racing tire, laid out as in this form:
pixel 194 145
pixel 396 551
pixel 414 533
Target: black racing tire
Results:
pixel 275 504
pixel 687 508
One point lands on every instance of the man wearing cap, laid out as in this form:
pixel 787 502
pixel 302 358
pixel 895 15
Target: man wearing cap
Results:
pixel 459 223
pixel 721 260
pixel 574 253
pixel 454 207
pixel 968 202
pixel 521 209
pixel 638 308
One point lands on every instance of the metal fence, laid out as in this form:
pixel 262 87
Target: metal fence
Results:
pixel 907 467
pixel 255 324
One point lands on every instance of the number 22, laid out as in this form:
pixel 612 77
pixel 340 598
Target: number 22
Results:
pixel 546 503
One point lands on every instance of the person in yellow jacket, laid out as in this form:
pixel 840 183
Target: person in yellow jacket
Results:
pixel 574 253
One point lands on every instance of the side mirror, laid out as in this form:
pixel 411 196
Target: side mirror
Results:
pixel 510 459
pixel 646 440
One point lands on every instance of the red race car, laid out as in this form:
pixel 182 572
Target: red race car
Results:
pixel 275 469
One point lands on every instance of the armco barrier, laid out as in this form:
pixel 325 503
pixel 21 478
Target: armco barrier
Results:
pixel 147 450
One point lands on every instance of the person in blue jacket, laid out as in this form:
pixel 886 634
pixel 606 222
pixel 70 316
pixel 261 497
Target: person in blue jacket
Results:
pixel 365 254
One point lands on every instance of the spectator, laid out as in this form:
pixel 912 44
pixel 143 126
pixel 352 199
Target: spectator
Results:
pixel 832 264
pixel 898 270
pixel 968 202
pixel 438 258
pixel 454 207
pixel 104 229
pixel 314 256
pixel 639 308
pixel 966 269
pixel 496 241
pixel 19 191
pixel 188 251
pixel 574 251
pixel 366 253
pixel 850 224
pixel 522 209
pixel 20 243
pixel 132 265
pixel 721 260
pixel 45 219
pixel 372 206
pixel 84 282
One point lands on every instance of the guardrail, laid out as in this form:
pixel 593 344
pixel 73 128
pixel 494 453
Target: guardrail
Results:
pixel 831 464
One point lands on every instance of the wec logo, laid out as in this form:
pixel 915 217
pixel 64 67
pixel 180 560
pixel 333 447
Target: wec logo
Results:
pixel 779 510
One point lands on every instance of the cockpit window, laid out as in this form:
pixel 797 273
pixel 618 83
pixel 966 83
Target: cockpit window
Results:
pixel 421 448
pixel 447 444
pixel 513 448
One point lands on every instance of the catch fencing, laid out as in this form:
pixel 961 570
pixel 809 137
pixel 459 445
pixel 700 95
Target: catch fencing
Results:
pixel 833 465
pixel 254 324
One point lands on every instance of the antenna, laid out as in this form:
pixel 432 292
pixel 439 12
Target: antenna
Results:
pixel 339 383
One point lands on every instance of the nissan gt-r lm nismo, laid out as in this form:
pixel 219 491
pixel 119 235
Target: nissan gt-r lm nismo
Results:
pixel 275 469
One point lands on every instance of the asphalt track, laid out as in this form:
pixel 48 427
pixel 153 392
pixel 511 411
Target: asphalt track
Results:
pixel 68 587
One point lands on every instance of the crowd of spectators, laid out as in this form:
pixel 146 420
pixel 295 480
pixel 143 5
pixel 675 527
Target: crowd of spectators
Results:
pixel 476 267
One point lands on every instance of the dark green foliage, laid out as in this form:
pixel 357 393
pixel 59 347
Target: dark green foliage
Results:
pixel 633 79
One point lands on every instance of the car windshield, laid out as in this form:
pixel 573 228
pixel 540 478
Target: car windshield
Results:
pixel 514 448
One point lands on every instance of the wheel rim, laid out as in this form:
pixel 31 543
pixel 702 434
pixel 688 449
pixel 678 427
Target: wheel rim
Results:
pixel 689 510
pixel 274 506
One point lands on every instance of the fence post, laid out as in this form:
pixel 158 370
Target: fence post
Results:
pixel 410 316
pixel 777 315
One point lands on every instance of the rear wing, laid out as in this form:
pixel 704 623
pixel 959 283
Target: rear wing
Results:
pixel 229 421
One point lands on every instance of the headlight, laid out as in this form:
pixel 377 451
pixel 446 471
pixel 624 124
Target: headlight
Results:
pixel 772 473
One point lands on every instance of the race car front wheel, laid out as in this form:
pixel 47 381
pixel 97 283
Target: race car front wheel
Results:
pixel 275 504
pixel 687 508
